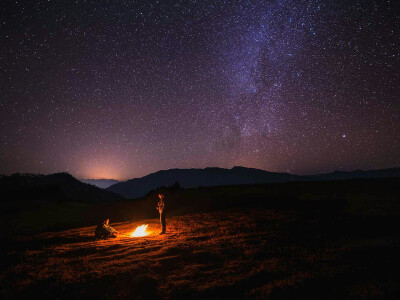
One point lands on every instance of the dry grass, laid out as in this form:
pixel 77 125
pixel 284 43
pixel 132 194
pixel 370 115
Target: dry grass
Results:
pixel 226 254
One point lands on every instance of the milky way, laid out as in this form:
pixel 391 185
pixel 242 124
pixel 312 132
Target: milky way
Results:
pixel 119 89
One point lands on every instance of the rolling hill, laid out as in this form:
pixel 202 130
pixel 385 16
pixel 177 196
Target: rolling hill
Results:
pixel 58 187
pixel 189 178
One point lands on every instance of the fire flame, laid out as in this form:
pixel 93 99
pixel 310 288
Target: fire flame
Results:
pixel 140 231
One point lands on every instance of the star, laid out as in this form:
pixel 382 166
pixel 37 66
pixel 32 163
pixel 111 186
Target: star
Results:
pixel 124 89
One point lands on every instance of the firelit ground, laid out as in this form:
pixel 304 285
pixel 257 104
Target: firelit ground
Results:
pixel 224 254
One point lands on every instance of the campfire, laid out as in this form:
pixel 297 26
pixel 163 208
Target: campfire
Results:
pixel 140 231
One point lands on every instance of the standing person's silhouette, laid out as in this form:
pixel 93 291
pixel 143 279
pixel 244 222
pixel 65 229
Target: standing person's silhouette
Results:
pixel 161 210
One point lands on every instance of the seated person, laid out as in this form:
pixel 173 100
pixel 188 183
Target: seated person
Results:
pixel 105 231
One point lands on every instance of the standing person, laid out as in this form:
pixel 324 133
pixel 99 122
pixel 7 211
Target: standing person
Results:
pixel 161 210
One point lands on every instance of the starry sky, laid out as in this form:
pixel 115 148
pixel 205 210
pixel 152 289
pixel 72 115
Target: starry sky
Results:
pixel 120 89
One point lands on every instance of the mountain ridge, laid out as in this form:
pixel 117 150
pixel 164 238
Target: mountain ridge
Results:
pixel 57 187
pixel 214 176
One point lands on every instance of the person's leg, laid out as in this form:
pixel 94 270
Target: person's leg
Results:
pixel 163 223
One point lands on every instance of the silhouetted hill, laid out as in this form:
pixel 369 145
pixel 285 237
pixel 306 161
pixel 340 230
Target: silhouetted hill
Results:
pixel 188 178
pixel 55 187
pixel 341 175
pixel 361 197
pixel 101 183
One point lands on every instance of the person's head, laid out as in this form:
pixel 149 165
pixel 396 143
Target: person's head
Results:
pixel 161 196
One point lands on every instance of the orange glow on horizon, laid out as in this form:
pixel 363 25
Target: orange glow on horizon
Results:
pixel 93 171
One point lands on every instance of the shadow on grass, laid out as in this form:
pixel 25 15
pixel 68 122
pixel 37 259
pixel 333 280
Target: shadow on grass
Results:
pixel 128 285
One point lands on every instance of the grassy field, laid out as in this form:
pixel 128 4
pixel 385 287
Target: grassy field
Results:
pixel 369 197
pixel 226 254
pixel 297 240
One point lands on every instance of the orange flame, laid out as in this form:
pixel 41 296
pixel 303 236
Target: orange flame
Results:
pixel 140 231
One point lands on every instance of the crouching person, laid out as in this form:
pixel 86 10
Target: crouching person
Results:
pixel 105 231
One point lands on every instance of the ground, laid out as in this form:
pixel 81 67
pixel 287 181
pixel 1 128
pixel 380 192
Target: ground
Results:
pixel 225 254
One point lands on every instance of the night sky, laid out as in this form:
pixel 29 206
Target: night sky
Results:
pixel 120 89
